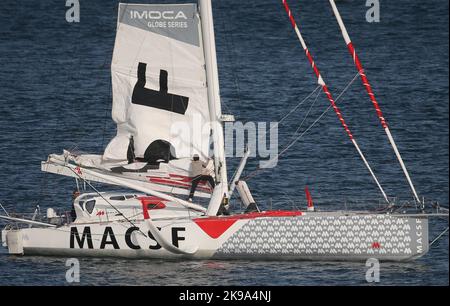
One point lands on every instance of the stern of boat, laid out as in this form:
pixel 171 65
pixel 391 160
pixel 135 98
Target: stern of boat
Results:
pixel 13 241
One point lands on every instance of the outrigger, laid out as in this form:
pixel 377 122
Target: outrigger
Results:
pixel 165 81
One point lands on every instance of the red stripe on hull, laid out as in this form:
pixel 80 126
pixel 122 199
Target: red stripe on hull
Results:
pixel 216 226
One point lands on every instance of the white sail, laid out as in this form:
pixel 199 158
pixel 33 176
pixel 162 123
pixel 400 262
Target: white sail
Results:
pixel 162 105
pixel 159 83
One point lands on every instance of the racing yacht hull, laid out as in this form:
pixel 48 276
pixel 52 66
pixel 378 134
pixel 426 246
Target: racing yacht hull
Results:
pixel 277 235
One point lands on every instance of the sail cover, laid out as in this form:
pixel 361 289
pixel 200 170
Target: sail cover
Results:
pixel 160 98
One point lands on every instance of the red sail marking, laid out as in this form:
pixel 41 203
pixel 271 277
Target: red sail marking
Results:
pixel 151 203
pixel 182 177
pixel 178 181
pixel 187 179
pixel 216 226
pixel 165 181
pixel 168 182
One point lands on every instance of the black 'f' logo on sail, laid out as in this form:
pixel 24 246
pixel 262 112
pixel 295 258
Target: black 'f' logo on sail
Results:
pixel 158 99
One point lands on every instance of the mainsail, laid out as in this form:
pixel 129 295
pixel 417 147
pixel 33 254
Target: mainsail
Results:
pixel 159 84
pixel 162 105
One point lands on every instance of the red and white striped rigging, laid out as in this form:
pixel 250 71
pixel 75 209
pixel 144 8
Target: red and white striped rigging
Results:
pixel 369 90
pixel 330 97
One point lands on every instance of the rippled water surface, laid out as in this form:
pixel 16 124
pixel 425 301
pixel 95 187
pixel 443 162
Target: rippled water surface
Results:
pixel 55 93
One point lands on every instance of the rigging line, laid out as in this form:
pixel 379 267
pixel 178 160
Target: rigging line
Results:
pixel 4 210
pixel 228 38
pixel 369 90
pixel 304 132
pixel 306 116
pixel 278 122
pixel 252 174
pixel 43 188
pixel 109 203
pixel 325 89
pixel 337 99
pixel 298 105
pixel 276 125
pixel 289 113
pixel 439 236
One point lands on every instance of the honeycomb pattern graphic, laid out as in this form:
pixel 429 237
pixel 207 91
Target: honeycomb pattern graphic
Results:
pixel 363 235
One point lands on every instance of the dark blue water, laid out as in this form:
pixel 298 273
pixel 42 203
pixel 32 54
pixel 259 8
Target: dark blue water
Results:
pixel 56 93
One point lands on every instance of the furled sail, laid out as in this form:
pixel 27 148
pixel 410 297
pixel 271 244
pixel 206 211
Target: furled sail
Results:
pixel 160 97
pixel 160 102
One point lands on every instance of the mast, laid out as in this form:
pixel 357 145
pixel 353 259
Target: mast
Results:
pixel 330 97
pixel 369 90
pixel 215 109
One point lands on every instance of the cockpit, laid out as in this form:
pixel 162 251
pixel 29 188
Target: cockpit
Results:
pixel 86 204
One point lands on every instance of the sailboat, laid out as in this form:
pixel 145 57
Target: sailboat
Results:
pixel 164 82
